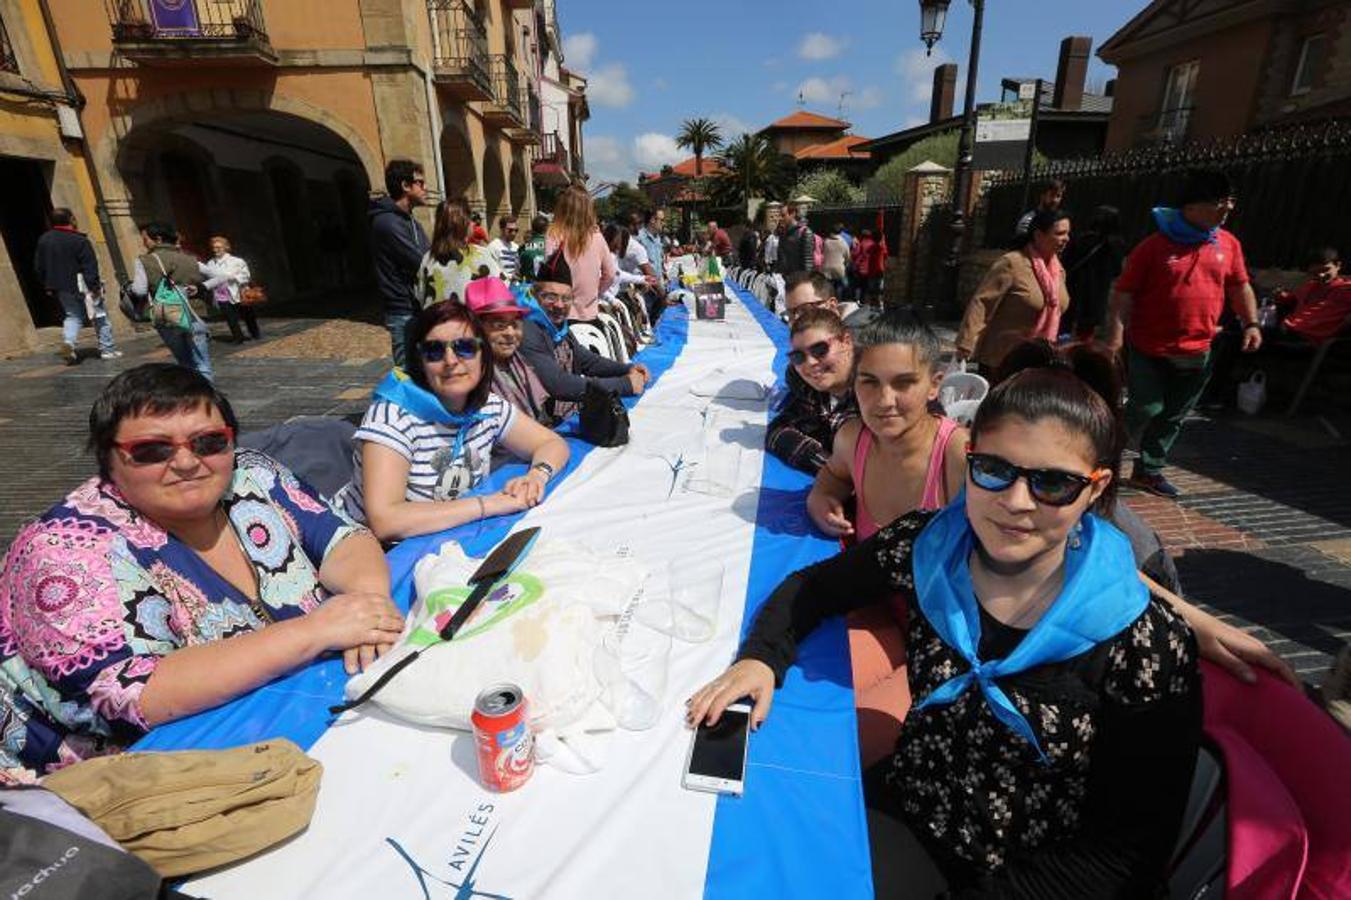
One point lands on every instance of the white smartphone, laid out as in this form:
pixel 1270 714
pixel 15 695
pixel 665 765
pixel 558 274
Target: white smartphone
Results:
pixel 717 758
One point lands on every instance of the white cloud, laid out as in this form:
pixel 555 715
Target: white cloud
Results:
pixel 917 73
pixel 732 127
pixel 652 150
pixel 608 159
pixel 827 92
pixel 609 85
pixel 818 46
pixel 580 50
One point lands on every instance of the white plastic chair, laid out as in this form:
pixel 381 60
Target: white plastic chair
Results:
pixel 591 335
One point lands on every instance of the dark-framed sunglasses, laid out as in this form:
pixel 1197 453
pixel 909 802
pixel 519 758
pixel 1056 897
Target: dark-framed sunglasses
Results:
pixel 155 451
pixel 1054 487
pixel 819 350
pixel 463 348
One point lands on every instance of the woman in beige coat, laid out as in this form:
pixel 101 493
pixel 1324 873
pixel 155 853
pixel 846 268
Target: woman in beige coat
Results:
pixel 1021 297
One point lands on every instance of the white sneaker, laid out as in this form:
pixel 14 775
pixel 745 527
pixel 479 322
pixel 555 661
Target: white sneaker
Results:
pixel 111 354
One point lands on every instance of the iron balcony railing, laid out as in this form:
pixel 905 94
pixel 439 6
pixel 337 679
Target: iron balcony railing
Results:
pixel 507 86
pixel 8 63
pixel 460 41
pixel 141 21
pixel 552 150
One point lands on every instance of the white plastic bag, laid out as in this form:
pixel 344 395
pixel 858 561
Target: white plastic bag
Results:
pixel 1252 394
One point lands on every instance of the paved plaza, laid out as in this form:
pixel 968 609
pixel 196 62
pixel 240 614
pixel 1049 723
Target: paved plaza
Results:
pixel 1263 536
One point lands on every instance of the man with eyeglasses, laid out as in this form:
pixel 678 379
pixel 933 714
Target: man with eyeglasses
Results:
pixel 505 248
pixel 563 365
pixel 398 244
pixel 1166 309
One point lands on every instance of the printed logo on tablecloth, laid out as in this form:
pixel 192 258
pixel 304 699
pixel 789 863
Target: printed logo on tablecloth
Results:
pixel 464 860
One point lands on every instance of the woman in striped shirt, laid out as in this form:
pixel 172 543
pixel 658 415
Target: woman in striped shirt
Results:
pixel 428 436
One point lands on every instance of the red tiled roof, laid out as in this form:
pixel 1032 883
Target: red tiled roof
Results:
pixel 807 120
pixel 843 148
pixel 685 169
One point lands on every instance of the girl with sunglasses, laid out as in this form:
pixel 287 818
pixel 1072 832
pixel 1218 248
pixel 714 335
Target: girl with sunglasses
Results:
pixel 428 437
pixel 186 573
pixel 802 432
pixel 1057 704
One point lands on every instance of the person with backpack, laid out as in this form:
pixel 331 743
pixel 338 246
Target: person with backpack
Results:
pixel 170 279
pixel 796 250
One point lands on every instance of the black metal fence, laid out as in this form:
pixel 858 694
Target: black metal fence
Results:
pixel 1293 187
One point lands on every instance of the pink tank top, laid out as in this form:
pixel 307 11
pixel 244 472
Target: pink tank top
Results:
pixel 934 488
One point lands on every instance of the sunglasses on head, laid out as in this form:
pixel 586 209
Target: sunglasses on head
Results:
pixel 151 451
pixel 463 348
pixel 1053 487
pixel 819 350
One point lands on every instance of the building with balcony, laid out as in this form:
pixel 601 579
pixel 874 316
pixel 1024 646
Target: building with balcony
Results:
pixel 42 165
pixel 1196 69
pixel 271 121
pixel 562 111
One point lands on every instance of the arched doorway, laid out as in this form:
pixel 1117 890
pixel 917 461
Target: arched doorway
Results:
pixel 284 189
pixel 520 187
pixel 494 183
pixel 460 176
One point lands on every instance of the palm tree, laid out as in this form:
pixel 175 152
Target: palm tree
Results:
pixel 698 135
pixel 752 167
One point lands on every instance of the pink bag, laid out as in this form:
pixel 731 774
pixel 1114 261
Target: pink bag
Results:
pixel 1288 767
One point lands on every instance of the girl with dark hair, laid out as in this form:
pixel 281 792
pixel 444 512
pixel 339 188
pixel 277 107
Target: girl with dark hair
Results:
pixel 428 436
pixel 452 262
pixel 897 457
pixel 1022 296
pixel 1057 705
pixel 186 573
pixel 822 356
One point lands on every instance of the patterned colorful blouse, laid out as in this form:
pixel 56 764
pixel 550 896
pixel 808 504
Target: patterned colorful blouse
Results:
pixel 93 596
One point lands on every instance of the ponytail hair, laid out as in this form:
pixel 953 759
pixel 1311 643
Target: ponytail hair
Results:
pixel 1078 385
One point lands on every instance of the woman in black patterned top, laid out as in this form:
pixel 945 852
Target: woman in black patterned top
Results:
pixel 1057 705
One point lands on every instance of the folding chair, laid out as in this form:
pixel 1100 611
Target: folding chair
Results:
pixel 591 335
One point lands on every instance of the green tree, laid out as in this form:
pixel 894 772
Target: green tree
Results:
pixel 829 187
pixel 699 136
pixel 888 182
pixel 751 167
pixel 623 199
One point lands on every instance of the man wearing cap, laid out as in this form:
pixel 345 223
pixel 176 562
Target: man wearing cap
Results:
pixel 560 361
pixel 1166 306
pixel 503 318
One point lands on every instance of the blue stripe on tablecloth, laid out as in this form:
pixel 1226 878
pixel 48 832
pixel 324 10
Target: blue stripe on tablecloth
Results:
pixel 804 760
pixel 296 706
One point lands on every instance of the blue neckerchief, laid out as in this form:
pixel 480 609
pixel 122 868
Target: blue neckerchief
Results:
pixel 1178 230
pixel 526 295
pixel 399 389
pixel 1100 597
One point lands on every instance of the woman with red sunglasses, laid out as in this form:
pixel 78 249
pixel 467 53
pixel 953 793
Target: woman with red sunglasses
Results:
pixel 184 574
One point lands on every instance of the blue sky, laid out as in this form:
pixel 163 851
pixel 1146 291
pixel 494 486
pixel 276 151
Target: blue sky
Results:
pixel 743 63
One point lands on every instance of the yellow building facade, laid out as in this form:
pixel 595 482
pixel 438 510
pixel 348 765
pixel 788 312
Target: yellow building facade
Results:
pixel 42 165
pixel 271 121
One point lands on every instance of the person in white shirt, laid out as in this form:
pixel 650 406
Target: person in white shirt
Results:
pixel 505 249
pixel 226 276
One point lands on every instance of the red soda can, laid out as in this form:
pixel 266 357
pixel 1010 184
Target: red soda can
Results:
pixel 506 747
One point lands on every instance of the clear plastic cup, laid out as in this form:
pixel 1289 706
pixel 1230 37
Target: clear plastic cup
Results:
pixel 631 663
pixel 690 610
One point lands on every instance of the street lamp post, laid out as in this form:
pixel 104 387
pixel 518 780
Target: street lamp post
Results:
pixel 933 16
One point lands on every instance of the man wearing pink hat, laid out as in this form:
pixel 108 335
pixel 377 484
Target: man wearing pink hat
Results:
pixel 503 318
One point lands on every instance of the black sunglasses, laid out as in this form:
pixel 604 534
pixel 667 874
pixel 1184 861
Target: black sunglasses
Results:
pixel 1053 487
pixel 816 351
pixel 463 348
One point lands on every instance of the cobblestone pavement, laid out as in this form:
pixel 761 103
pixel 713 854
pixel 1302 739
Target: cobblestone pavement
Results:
pixel 1262 537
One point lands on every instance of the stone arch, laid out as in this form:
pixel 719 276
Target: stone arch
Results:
pixel 460 178
pixel 519 185
pixel 494 182
pixel 263 148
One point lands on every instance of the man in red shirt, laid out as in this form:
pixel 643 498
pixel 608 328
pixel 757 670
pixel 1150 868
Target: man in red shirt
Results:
pixel 718 243
pixel 1168 303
